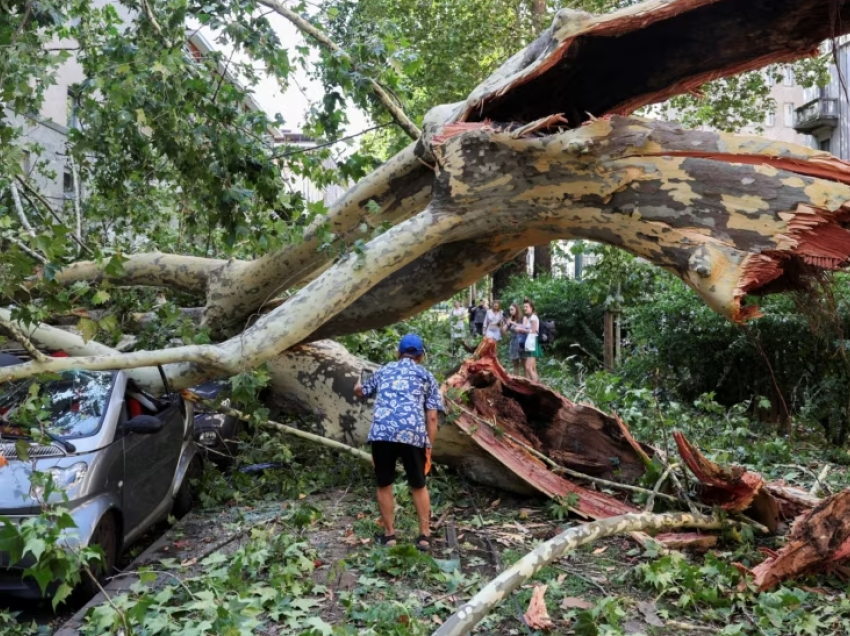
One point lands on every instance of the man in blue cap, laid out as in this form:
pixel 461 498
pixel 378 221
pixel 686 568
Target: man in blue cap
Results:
pixel 404 426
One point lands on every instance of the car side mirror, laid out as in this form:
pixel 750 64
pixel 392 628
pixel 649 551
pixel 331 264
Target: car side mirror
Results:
pixel 144 425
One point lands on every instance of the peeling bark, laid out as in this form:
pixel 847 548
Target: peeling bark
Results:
pixel 527 414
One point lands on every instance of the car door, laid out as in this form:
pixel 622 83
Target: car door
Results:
pixel 150 462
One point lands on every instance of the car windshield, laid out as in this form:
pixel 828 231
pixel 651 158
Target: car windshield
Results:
pixel 75 401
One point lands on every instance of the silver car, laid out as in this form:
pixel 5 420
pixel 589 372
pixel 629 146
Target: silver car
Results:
pixel 123 458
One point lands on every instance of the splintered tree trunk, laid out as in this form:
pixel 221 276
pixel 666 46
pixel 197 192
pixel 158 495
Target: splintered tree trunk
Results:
pixel 507 416
pixel 542 150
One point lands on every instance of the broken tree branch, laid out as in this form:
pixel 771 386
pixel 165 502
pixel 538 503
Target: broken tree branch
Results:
pixel 820 481
pixel 32 253
pixel 474 610
pixel 394 110
pixel 20 337
pixel 19 208
pixel 650 502
pixel 283 428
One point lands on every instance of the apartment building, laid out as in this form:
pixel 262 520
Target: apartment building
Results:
pixel 824 115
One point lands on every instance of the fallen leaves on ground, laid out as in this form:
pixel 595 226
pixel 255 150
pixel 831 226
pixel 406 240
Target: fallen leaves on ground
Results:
pixel 537 617
pixel 574 602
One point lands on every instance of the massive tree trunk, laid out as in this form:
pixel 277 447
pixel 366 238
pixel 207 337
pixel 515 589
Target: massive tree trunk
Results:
pixel 539 151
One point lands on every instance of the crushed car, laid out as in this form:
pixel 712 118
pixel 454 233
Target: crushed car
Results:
pixel 120 460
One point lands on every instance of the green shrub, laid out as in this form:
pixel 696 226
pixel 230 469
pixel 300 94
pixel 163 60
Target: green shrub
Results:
pixel 791 354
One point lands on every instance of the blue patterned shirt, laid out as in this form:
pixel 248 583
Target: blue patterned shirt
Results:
pixel 405 390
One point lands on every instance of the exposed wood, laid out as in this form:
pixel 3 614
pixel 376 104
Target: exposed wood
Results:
pixel 575 436
pixel 734 489
pixel 819 540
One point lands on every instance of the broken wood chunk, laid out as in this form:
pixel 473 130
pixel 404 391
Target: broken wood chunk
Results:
pixel 819 541
pixel 537 617
pixel 732 489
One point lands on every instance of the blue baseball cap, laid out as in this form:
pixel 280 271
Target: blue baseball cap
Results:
pixel 412 344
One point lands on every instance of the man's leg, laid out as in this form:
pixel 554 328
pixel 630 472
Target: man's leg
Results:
pixel 386 504
pixel 422 503
pixel 384 457
pixel 413 458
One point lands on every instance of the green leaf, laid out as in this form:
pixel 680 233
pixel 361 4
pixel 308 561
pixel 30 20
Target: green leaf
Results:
pixel 87 328
pixel 319 626
pixel 100 297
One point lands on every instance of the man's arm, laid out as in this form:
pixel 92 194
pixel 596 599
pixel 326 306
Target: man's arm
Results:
pixel 431 420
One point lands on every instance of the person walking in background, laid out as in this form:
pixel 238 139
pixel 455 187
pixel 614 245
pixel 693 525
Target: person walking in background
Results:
pixel 404 426
pixel 493 322
pixel 511 323
pixel 457 325
pixel 531 349
pixel 471 311
pixel 479 317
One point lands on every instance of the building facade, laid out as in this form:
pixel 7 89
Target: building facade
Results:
pixel 825 114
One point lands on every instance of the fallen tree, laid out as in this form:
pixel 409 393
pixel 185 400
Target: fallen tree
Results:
pixel 541 150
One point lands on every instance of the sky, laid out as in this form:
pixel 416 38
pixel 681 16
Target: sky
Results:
pixel 293 104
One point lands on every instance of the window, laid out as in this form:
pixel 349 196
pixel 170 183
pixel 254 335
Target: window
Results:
pixel 789 114
pixel 770 119
pixel 770 78
pixel 68 184
pixel 788 76
pixel 823 144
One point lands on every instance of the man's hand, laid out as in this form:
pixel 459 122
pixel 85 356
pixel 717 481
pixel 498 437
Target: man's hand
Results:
pixel 358 390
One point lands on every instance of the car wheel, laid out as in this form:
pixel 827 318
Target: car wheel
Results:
pixel 105 536
pixel 185 498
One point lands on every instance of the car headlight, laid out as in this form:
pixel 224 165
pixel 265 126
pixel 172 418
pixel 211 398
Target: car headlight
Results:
pixel 63 478
pixel 207 438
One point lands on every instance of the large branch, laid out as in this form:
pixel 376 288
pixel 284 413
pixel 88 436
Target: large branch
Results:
pixel 395 111
pixel 391 194
pixel 734 217
pixel 183 273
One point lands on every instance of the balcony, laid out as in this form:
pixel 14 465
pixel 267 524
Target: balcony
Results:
pixel 821 112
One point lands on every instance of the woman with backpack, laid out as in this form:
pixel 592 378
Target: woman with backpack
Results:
pixel 531 350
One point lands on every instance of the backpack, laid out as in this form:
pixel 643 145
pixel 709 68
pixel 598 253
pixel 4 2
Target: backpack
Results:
pixel 547 332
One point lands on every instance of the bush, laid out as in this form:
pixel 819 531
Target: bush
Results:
pixel 787 355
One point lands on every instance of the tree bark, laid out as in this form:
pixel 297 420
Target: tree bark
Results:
pixel 542 260
pixel 517 266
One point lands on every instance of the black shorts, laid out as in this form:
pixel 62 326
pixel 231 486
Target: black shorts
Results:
pixel 385 455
